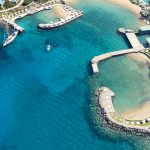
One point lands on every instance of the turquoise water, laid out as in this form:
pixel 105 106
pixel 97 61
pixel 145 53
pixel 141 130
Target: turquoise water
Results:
pixel 45 96
pixel 1 35
pixel 146 1
pixel 128 79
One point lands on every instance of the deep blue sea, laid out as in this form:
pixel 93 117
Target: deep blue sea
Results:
pixel 45 96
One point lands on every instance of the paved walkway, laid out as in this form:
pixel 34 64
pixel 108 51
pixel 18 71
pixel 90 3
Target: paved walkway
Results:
pixel 99 58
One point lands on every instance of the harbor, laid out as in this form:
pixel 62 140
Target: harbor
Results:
pixel 72 14
pixel 9 18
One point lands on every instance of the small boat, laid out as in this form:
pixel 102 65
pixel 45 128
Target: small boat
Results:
pixel 10 38
pixel 48 47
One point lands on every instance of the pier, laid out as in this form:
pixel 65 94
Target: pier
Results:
pixel 133 40
pixel 99 58
pixel 14 25
pixel 135 43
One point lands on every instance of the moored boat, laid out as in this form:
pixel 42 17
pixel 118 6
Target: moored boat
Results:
pixel 10 38
pixel 48 47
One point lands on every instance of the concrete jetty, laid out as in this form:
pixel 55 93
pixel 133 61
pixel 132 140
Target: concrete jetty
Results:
pixel 135 43
pixel 99 58
pixel 15 26
pixel 133 40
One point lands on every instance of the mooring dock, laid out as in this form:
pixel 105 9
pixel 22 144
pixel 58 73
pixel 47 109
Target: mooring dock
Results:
pixel 133 40
pixel 14 25
pixel 135 43
pixel 99 58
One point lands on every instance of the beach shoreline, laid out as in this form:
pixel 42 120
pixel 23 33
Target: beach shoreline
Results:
pixel 60 11
pixel 128 5
pixel 135 9
pixel 139 57
pixel 139 113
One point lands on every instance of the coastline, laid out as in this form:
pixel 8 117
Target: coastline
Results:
pixel 128 5
pixel 140 112
pixel 120 123
pixel 60 11
pixel 135 9
pixel 123 3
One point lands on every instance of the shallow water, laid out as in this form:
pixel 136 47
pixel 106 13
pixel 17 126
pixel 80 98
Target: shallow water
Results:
pixel 45 96
pixel 128 79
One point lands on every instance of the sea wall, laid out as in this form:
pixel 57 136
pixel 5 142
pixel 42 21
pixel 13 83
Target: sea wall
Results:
pixel 102 114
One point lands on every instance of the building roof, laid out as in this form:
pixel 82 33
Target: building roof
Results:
pixel 148 40
pixel 145 28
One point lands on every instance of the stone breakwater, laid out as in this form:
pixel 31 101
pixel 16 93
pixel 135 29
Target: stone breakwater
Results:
pixel 116 126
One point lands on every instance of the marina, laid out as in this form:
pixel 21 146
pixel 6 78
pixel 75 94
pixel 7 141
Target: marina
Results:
pixel 30 10
pixel 72 14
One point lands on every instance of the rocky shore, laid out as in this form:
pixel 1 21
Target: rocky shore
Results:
pixel 102 114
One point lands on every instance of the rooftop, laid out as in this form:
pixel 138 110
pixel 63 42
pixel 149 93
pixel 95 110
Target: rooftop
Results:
pixel 145 28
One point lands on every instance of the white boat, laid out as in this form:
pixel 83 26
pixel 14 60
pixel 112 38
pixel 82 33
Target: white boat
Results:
pixel 10 38
pixel 48 47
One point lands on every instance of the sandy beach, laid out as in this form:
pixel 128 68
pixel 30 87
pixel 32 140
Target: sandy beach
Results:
pixel 71 1
pixel 124 3
pixel 128 5
pixel 139 57
pixel 60 11
pixel 139 113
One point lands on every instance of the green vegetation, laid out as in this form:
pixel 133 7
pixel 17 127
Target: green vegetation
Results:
pixel 41 1
pixel 117 117
pixel 147 52
pixel 9 4
pixel 26 2
pixel 1 8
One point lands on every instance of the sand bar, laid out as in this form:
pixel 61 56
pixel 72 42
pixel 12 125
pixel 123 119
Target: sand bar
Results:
pixel 128 5
pixel 139 57
pixel 60 11
pixel 139 113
